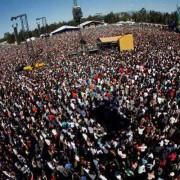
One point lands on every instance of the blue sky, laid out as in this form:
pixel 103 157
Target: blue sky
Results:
pixel 59 10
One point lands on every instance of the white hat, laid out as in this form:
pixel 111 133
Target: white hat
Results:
pixel 172 174
pixel 54 132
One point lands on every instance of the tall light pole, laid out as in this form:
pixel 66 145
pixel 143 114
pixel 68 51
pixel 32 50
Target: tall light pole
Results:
pixel 15 28
pixel 39 28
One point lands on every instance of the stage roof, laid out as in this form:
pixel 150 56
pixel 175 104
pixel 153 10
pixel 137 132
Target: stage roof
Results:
pixel 64 28
pixel 113 39
pixel 86 23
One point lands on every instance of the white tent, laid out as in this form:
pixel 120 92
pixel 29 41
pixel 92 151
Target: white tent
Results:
pixel 89 23
pixel 63 28
pixel 125 22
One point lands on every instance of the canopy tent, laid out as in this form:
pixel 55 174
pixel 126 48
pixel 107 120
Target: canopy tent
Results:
pixel 125 23
pixel 63 29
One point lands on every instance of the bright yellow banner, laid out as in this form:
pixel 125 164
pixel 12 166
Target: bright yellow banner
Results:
pixel 126 42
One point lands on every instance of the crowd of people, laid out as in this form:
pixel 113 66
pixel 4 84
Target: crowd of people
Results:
pixel 49 127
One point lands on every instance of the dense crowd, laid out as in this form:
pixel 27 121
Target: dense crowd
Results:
pixel 48 123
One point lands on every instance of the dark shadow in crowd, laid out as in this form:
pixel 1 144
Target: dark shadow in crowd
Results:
pixel 109 117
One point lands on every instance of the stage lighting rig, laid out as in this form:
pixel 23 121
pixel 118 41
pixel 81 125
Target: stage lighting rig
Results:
pixel 25 34
pixel 42 24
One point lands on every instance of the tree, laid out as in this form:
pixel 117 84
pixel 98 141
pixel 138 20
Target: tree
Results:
pixel 140 16
pixel 111 18
pixel 2 40
pixel 125 16
pixel 35 33
pixel 9 38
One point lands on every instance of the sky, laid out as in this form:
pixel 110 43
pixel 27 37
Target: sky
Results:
pixel 61 10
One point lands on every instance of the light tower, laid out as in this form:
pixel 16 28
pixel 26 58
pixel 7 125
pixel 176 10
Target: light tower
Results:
pixel 43 29
pixel 77 12
pixel 42 23
pixel 25 34
pixel 77 15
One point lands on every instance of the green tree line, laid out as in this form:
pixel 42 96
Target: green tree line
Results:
pixel 139 16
